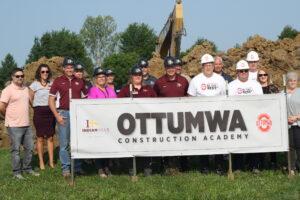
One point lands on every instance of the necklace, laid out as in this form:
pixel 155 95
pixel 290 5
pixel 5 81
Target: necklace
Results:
pixel 44 84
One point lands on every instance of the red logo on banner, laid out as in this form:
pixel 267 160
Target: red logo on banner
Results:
pixel 264 122
pixel 203 86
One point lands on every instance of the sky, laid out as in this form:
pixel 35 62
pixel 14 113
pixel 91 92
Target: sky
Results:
pixel 225 22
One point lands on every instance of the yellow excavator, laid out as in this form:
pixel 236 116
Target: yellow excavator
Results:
pixel 169 39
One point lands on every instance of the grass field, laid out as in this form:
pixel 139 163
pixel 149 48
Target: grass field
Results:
pixel 192 185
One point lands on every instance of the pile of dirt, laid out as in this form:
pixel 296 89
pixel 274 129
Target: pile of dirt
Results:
pixel 277 57
pixel 55 64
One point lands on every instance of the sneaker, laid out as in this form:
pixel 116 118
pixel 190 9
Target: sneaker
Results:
pixel 19 176
pixel 107 171
pixel 256 171
pixel 66 174
pixel 293 173
pixel 101 173
pixel 33 173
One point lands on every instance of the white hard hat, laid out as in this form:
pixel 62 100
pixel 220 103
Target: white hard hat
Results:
pixel 207 58
pixel 252 56
pixel 242 64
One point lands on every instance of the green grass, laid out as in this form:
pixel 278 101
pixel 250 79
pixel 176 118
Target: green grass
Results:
pixel 192 185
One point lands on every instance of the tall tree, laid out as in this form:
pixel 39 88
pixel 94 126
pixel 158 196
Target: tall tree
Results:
pixel 99 37
pixel 60 43
pixel 121 63
pixel 138 38
pixel 8 64
pixel 288 32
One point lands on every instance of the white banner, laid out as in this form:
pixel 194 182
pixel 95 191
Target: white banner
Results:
pixel 111 128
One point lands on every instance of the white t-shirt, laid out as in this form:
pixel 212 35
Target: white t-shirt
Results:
pixel 201 85
pixel 253 75
pixel 41 93
pixel 249 87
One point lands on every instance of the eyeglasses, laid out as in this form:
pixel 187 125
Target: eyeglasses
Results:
pixel 261 75
pixel 243 71
pixel 101 76
pixel 19 76
pixel 43 72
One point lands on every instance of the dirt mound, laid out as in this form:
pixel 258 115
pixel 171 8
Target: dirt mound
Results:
pixel 277 57
pixel 54 63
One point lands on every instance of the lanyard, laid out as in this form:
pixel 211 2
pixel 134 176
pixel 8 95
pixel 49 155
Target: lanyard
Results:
pixel 106 94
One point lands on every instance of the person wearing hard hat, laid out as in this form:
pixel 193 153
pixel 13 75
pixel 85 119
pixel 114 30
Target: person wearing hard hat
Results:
pixel 78 70
pixel 147 78
pixel 178 66
pixel 172 85
pixel 136 89
pixel 244 86
pixel 68 87
pixel 110 80
pixel 207 83
pixel 101 90
pixel 79 73
pixel 252 59
pixel 219 69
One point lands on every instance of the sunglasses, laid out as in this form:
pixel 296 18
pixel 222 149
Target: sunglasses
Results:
pixel 19 76
pixel 243 71
pixel 261 75
pixel 43 72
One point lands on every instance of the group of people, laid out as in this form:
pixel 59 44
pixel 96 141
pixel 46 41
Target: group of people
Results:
pixel 50 100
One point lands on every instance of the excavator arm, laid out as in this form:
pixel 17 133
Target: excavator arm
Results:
pixel 169 39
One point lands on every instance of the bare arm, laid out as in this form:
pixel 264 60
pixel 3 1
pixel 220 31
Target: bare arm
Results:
pixel 3 108
pixel 52 107
pixel 31 96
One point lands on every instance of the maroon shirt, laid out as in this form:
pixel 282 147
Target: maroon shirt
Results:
pixel 164 87
pixel 63 85
pixel 145 91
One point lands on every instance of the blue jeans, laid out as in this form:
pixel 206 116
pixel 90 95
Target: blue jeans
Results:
pixel 64 143
pixel 21 136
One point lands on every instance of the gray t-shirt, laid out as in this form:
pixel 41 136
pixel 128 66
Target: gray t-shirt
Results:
pixel 41 93
pixel 293 104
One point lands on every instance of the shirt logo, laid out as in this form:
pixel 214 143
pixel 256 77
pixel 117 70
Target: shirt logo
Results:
pixel 244 90
pixel 209 86
pixel 179 85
